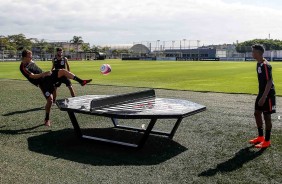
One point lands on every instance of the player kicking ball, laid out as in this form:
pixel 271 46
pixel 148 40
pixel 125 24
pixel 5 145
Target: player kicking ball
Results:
pixel 60 62
pixel 265 102
pixel 45 80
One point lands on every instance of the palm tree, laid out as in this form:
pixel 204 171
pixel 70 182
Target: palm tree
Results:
pixel 77 40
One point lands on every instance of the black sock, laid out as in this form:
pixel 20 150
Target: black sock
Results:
pixel 267 135
pixel 260 131
pixel 47 116
pixel 77 79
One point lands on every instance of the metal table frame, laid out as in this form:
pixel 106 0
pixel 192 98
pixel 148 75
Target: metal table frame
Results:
pixel 146 132
pixel 102 102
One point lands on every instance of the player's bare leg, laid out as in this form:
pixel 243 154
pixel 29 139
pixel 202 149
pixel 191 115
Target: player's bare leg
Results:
pixel 48 109
pixel 268 126
pixel 69 75
pixel 55 95
pixel 258 117
pixel 267 119
pixel 71 91
pixel 259 122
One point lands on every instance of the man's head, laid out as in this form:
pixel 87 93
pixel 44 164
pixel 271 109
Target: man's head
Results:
pixel 26 55
pixel 59 51
pixel 257 51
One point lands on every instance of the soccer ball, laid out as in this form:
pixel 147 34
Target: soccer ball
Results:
pixel 105 69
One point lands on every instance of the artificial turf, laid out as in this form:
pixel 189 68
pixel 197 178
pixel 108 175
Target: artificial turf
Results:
pixel 228 77
pixel 210 147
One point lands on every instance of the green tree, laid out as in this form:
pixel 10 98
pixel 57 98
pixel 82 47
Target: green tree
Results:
pixel 269 44
pixel 19 41
pixel 41 46
pixel 77 40
pixel 86 47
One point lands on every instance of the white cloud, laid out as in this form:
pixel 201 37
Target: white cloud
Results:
pixel 125 21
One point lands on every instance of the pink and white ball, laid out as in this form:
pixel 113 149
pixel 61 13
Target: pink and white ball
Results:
pixel 105 69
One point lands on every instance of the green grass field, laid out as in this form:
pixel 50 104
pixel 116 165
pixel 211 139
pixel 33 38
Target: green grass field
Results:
pixel 210 147
pixel 229 77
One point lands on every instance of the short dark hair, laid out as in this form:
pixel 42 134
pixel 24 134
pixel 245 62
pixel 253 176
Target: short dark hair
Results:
pixel 25 52
pixel 59 49
pixel 259 48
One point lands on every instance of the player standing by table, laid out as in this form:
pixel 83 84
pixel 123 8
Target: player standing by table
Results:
pixel 265 102
pixel 45 80
pixel 61 62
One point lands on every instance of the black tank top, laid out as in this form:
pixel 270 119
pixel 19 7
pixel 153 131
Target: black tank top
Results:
pixel 59 63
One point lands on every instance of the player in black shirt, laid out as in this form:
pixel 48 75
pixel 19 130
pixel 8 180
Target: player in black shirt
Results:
pixel 60 62
pixel 45 80
pixel 265 102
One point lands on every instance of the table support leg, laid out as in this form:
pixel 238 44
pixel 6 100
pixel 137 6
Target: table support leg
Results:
pixel 147 133
pixel 75 124
pixel 175 127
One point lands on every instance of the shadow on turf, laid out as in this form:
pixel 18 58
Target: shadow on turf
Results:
pixel 23 111
pixel 23 131
pixel 241 157
pixel 64 144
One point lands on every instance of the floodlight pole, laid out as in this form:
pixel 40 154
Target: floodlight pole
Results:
pixel 189 44
pixel 198 45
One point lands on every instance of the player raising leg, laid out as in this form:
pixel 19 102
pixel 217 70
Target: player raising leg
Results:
pixel 45 80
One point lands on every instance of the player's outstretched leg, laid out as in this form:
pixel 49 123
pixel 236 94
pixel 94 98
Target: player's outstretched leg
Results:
pixel 64 73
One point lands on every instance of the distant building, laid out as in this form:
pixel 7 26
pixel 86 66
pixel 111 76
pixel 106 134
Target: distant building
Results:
pixel 68 46
pixel 226 51
pixel 139 49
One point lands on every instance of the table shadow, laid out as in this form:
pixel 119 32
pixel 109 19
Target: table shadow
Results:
pixel 63 144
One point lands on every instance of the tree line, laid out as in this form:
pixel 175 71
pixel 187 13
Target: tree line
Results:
pixel 19 42
pixel 269 44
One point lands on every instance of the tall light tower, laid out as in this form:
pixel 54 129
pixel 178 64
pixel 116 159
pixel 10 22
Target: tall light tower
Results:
pixel 198 45
pixel 184 40
pixel 173 44
pixel 158 43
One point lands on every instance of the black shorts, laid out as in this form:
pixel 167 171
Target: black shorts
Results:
pixel 64 80
pixel 269 107
pixel 54 76
pixel 47 85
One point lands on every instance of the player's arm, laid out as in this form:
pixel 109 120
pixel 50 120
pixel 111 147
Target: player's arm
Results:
pixel 53 66
pixel 267 88
pixel 67 63
pixel 41 75
pixel 268 75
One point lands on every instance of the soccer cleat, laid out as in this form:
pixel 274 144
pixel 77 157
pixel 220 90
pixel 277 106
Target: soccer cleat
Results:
pixel 85 82
pixel 47 123
pixel 264 144
pixel 257 140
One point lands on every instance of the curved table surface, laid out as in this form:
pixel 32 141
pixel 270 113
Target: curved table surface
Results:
pixel 147 108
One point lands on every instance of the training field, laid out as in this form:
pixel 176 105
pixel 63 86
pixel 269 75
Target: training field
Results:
pixel 210 147
pixel 231 77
